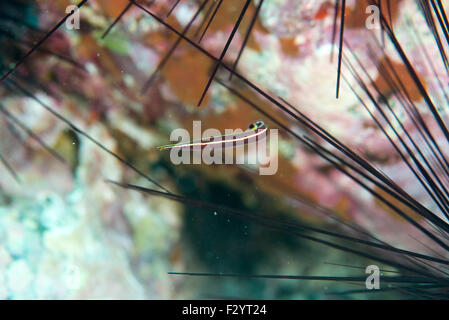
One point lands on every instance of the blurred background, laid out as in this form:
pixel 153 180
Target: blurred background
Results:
pixel 66 233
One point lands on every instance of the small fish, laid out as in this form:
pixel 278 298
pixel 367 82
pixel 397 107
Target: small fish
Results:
pixel 257 131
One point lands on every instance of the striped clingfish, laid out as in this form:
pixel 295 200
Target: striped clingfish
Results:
pixel 257 131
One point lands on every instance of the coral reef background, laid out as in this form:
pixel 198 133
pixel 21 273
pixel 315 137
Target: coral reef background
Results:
pixel 65 233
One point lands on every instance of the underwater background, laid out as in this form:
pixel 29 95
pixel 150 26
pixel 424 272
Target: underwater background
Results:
pixel 90 104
